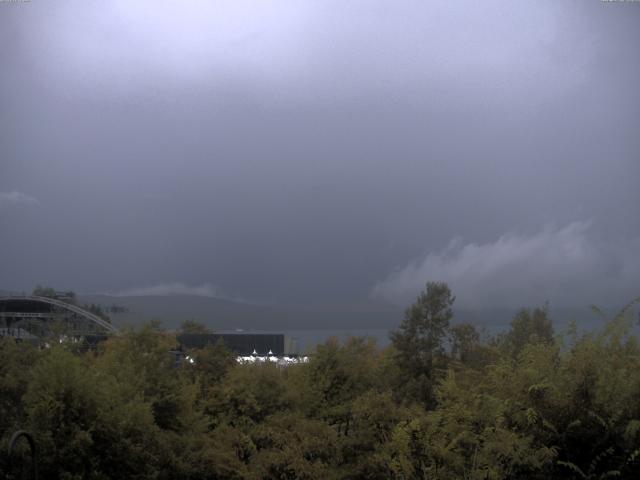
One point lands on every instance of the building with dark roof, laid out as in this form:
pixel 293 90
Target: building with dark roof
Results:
pixel 242 343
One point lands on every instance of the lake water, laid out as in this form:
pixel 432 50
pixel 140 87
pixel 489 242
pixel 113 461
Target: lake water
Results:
pixel 308 339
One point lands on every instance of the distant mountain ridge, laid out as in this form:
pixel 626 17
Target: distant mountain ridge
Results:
pixel 221 314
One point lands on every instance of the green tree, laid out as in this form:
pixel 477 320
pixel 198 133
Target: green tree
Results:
pixel 193 326
pixel 141 360
pixel 16 364
pixel 419 339
pixel 465 341
pixel 529 327
pixel 248 394
pixel 41 291
pixel 336 376
pixel 290 446
pixel 211 364
pixel 366 450
pixel 49 292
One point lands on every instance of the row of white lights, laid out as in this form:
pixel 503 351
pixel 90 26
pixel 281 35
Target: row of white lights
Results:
pixel 270 357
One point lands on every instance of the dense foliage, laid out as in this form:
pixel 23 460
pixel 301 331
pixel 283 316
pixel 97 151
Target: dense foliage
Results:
pixel 441 402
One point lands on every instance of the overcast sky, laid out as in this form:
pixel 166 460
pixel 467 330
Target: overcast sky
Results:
pixel 327 152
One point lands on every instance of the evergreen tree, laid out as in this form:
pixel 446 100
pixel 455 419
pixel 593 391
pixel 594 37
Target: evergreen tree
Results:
pixel 419 339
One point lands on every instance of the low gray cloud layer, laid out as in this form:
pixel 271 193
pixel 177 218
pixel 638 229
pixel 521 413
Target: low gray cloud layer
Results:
pixel 174 288
pixel 17 198
pixel 565 266
pixel 294 151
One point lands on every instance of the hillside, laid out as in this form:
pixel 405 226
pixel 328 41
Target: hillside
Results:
pixel 220 314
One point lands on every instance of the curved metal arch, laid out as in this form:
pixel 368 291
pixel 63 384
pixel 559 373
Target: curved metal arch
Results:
pixel 32 445
pixel 67 306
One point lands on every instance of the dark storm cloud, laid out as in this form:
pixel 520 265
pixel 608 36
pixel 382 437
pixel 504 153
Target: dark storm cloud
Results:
pixel 297 151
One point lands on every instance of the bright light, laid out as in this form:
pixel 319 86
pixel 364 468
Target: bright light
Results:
pixel 183 38
pixel 280 361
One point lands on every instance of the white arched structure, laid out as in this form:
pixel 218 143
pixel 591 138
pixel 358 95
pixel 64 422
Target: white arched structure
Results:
pixel 55 303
